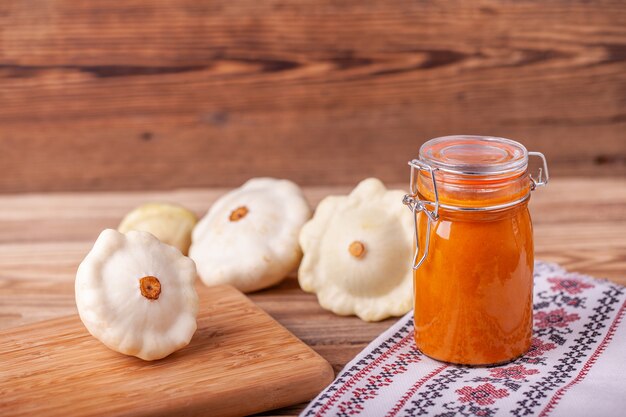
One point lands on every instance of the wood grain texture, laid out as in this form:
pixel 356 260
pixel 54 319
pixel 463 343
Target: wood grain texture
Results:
pixel 55 368
pixel 142 94
pixel 580 223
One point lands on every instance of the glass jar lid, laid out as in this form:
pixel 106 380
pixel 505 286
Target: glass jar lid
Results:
pixel 475 155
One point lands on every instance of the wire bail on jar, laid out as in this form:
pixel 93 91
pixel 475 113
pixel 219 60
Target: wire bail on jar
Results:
pixel 417 205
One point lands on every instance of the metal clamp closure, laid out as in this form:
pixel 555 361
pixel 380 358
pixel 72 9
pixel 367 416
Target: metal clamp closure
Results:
pixel 416 205
pixel 540 181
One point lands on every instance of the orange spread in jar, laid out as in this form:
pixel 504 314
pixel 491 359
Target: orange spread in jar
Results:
pixel 473 291
pixel 473 297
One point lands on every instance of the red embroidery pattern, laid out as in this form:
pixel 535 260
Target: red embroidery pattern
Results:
pixel 484 394
pixel 512 372
pixel 569 285
pixel 377 381
pixel 554 318
pixel 396 409
pixel 363 372
pixel 539 348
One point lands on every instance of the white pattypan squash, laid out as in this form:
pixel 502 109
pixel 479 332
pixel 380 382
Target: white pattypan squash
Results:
pixel 136 294
pixel 357 253
pixel 170 223
pixel 249 237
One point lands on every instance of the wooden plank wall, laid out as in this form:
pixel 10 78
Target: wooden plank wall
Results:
pixel 154 94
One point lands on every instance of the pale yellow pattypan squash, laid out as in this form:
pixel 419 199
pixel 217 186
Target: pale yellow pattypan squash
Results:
pixel 136 294
pixel 170 223
pixel 357 253
pixel 249 237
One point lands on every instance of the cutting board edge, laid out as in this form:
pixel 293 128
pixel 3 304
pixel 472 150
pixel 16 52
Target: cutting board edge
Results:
pixel 267 315
pixel 272 399
pixel 326 373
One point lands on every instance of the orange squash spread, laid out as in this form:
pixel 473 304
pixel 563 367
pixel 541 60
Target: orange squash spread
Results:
pixel 473 297
pixel 473 293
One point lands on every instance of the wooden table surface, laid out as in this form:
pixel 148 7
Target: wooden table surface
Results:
pixel 579 223
pixel 143 94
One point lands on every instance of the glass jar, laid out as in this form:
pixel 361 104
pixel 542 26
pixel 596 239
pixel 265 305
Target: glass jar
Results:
pixel 473 264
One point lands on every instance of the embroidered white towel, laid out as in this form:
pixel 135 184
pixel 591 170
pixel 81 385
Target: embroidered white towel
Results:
pixel 575 367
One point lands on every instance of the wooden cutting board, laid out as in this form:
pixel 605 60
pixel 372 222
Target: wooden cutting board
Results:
pixel 240 361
